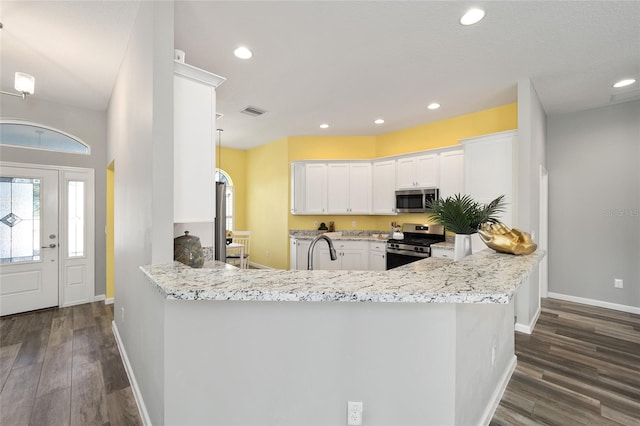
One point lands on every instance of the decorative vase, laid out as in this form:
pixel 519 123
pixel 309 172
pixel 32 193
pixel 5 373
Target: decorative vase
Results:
pixel 188 250
pixel 462 247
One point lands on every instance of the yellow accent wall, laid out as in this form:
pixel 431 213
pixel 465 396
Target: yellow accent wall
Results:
pixel 110 230
pixel 448 132
pixel 331 147
pixel 268 203
pixel 234 162
pixel 268 180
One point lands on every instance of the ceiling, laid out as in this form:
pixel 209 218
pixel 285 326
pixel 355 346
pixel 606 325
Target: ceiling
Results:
pixel 342 63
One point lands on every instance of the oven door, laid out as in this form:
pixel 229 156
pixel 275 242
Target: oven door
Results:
pixel 396 258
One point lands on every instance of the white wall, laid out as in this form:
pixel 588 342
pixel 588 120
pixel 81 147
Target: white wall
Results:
pixel 89 126
pixel 140 137
pixel 531 148
pixel 593 158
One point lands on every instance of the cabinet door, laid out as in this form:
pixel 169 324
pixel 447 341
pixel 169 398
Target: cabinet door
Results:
pixel 315 195
pixel 297 188
pixel 194 111
pixel 322 258
pixel 377 256
pixel 384 187
pixel 354 255
pixel 360 188
pixel 338 188
pixel 293 253
pixel 406 173
pixel 451 173
pixel 426 167
pixel 302 250
pixel 488 170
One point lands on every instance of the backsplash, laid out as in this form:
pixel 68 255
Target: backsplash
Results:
pixel 354 233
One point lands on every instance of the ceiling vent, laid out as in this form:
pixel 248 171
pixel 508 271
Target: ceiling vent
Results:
pixel 625 96
pixel 253 111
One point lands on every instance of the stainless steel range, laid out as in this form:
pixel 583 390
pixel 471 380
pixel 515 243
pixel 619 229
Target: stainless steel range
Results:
pixel 415 244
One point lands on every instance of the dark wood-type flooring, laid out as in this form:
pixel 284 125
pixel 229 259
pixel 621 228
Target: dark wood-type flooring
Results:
pixel 580 366
pixel 62 367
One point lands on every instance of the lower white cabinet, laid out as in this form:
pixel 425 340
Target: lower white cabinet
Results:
pixel 298 253
pixel 352 256
pixel 441 253
pixel 377 256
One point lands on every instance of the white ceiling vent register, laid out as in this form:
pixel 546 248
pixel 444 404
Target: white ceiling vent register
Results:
pixel 253 111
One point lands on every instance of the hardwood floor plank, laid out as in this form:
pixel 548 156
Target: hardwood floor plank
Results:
pixel 18 395
pixel 52 409
pixel 122 408
pixel 61 330
pixel 7 357
pixel 33 348
pixel 88 397
pixel 56 370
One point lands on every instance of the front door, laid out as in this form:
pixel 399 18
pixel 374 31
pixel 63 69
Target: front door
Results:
pixel 29 244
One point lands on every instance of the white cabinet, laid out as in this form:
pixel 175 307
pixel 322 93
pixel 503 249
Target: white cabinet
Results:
pixel 440 252
pixel 488 169
pixel 297 188
pixel 194 126
pixel 352 256
pixel 377 256
pixel 384 187
pixel 451 173
pixel 298 253
pixel 315 188
pixel 419 171
pixel 349 188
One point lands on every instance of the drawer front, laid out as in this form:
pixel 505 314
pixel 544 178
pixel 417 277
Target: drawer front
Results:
pixel 442 253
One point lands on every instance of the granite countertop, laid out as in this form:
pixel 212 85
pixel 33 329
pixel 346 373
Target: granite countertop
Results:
pixel 446 245
pixel 346 236
pixel 484 277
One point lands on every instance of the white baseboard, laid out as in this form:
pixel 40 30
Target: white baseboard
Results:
pixel 258 266
pixel 593 302
pixel 142 409
pixel 98 298
pixel 498 392
pixel 528 328
pixel 109 301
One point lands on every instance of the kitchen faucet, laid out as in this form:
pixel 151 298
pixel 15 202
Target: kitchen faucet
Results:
pixel 332 251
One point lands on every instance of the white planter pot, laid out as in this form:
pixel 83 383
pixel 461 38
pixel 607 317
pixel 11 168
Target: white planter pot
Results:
pixel 462 246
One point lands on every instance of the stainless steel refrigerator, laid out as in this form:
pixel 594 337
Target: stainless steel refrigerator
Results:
pixel 220 233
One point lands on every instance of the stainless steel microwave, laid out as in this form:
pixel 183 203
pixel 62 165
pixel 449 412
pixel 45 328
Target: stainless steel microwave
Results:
pixel 415 200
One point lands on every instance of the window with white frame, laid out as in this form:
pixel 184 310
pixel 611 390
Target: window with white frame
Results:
pixel 222 176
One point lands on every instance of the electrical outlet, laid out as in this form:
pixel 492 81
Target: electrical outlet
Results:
pixel 268 253
pixel 315 224
pixel 618 283
pixel 122 315
pixel 493 355
pixel 354 413
pixel 353 224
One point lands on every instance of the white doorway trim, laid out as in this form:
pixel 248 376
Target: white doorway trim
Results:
pixel 76 276
pixel 544 231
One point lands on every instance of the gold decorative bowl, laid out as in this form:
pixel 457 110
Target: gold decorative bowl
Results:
pixel 503 239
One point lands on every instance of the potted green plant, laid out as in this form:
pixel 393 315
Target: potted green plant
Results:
pixel 463 215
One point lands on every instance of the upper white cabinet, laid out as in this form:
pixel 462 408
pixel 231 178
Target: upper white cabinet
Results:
pixel 488 169
pixel 315 193
pixel 349 188
pixel 384 187
pixel 298 190
pixel 194 115
pixel 331 187
pixel 451 173
pixel 419 171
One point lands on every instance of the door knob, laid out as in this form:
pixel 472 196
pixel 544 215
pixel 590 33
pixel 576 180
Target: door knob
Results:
pixel 49 246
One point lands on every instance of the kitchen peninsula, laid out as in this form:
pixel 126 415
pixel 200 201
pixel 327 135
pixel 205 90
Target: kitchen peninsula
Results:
pixel 427 343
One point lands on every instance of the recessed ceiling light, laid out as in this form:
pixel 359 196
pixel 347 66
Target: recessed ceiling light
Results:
pixel 472 16
pixel 324 126
pixel 434 105
pixel 624 83
pixel 379 121
pixel 243 53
